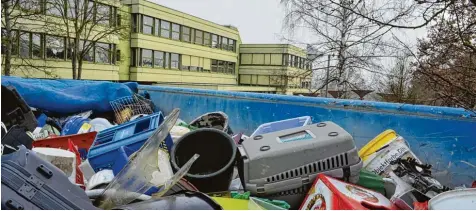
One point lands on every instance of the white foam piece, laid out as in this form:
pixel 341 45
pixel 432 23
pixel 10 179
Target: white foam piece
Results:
pixel 63 159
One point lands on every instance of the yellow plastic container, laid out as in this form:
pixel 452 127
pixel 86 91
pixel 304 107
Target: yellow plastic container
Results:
pixel 378 142
pixel 231 204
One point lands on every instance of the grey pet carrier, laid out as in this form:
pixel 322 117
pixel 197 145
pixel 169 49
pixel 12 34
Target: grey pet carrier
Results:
pixel 283 164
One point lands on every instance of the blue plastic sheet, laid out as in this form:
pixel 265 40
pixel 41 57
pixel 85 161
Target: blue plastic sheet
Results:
pixel 70 96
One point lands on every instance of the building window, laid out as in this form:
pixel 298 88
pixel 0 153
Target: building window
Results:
pixel 175 31
pixel 175 61
pixel 87 49
pixel 198 37
pixel 70 48
pixel 214 65
pixel 221 66
pixel 167 61
pixel 71 13
pixel 103 54
pixel 146 58
pixel 25 45
pixel 55 48
pixel 31 5
pixel 133 57
pixel 157 27
pixel 4 40
pixel 103 14
pixel 134 22
pixel 206 39
pixel 231 45
pixel 36 45
pixel 158 59
pixel 54 8
pixel 231 68
pixel 147 25
pixel 214 41
pixel 224 43
pixel 185 34
pixel 90 10
pixel 165 29
pixel 296 61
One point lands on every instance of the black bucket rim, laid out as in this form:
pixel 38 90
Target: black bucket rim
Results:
pixel 232 159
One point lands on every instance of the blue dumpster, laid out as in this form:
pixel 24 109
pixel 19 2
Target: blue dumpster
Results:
pixel 443 137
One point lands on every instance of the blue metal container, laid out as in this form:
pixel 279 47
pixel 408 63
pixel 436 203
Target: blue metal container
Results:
pixel 282 125
pixel 74 124
pixel 105 150
pixel 444 137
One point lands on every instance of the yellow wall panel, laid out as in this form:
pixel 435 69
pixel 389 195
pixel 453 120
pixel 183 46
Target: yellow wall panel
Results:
pixel 246 58
pixel 258 58
pixel 186 60
pixel 276 59
pixel 194 61
pixel 245 79
pixel 267 59
pixel 263 80
pixel 200 62
pixel 206 64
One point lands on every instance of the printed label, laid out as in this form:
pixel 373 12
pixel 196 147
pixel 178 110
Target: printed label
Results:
pixel 84 128
pixel 300 136
pixel 360 194
pixel 318 198
pixel 380 164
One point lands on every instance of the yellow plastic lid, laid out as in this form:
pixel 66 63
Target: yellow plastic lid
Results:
pixel 232 204
pixel 378 142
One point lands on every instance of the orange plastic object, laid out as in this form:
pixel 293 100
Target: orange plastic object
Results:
pixel 420 205
pixel 82 141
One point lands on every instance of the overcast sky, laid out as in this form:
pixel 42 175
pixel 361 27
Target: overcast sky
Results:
pixel 259 21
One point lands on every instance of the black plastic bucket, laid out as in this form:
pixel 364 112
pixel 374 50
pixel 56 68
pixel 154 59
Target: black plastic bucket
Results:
pixel 213 170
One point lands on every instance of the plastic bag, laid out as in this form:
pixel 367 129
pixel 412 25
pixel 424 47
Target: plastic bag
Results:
pixel 134 179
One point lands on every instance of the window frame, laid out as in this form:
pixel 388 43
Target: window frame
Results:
pixel 96 13
pixel 172 66
pixel 231 46
pixel 28 45
pixel 198 38
pixel 175 32
pixel 207 42
pixel 161 64
pixel 97 46
pixel 183 34
pixel 91 52
pixel 217 41
pixel 40 56
pixel 46 47
pixel 143 58
pixel 214 66
pixel 152 30
pixel 224 46
pixel 162 29
pixel 167 60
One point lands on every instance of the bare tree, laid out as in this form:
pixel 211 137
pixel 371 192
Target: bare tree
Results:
pixel 397 84
pixel 13 12
pixel 446 59
pixel 356 43
pixel 88 25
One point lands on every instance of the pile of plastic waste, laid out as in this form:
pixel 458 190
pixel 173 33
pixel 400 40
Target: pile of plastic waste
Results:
pixel 130 155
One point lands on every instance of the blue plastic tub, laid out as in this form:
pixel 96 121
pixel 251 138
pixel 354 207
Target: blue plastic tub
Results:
pixel 105 150
pixel 282 125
